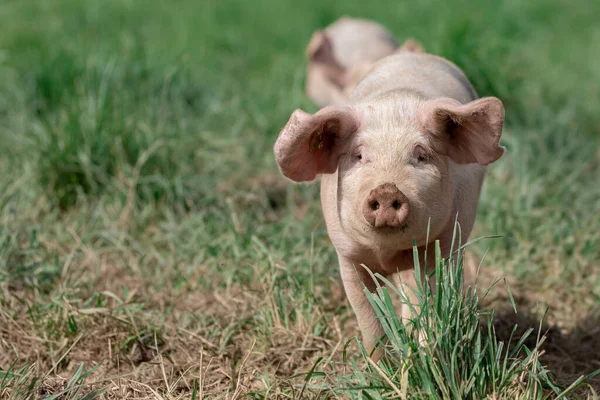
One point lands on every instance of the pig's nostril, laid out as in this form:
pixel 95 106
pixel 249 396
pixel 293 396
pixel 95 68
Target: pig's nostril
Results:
pixel 374 205
pixel 396 204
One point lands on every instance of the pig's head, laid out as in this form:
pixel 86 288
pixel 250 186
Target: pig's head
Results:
pixel 397 161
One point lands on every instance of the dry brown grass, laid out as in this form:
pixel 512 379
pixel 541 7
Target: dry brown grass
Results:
pixel 146 346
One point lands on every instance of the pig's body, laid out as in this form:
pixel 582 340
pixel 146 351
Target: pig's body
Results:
pixel 406 78
pixel 408 151
pixel 424 74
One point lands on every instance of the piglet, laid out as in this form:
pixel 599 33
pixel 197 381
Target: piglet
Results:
pixel 409 148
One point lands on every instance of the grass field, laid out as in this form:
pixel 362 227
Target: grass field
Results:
pixel 150 249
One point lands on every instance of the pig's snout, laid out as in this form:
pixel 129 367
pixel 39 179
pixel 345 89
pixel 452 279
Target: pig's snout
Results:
pixel 386 206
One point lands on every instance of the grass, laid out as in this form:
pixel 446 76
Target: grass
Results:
pixel 149 248
pixel 450 349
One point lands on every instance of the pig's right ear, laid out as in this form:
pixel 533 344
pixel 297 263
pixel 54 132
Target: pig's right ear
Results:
pixel 309 145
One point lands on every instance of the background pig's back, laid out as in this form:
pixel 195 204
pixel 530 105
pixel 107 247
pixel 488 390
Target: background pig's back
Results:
pixel 429 75
pixel 357 40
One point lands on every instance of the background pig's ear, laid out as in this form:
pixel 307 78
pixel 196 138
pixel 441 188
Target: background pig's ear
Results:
pixel 473 129
pixel 320 51
pixel 411 46
pixel 319 47
pixel 309 144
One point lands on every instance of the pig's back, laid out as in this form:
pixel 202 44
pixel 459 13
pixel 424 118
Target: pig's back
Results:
pixel 426 74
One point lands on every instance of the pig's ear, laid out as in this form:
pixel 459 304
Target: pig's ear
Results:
pixel 411 46
pixel 473 130
pixel 320 51
pixel 308 145
pixel 320 47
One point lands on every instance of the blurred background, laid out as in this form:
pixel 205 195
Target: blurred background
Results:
pixel 137 180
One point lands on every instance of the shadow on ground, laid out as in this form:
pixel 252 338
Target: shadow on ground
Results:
pixel 568 353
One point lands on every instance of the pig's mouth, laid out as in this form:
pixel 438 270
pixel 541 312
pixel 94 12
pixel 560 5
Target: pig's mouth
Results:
pixel 389 230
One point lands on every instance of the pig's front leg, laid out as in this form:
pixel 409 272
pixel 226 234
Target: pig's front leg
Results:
pixel 354 276
pixel 408 285
pixel 411 308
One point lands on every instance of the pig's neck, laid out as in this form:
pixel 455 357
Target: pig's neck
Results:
pixel 403 260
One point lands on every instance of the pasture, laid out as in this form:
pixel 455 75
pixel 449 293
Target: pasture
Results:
pixel 150 249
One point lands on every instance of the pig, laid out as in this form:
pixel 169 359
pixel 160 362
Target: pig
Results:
pixel 407 150
pixel 340 55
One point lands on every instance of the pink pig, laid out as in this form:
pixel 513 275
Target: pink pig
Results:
pixel 410 146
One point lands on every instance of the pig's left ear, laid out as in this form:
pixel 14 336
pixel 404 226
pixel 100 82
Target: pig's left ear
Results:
pixel 473 129
pixel 308 145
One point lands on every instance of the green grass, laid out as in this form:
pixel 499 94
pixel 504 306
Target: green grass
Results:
pixel 450 348
pixel 149 248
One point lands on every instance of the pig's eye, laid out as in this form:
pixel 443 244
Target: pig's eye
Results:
pixel 357 156
pixel 420 155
